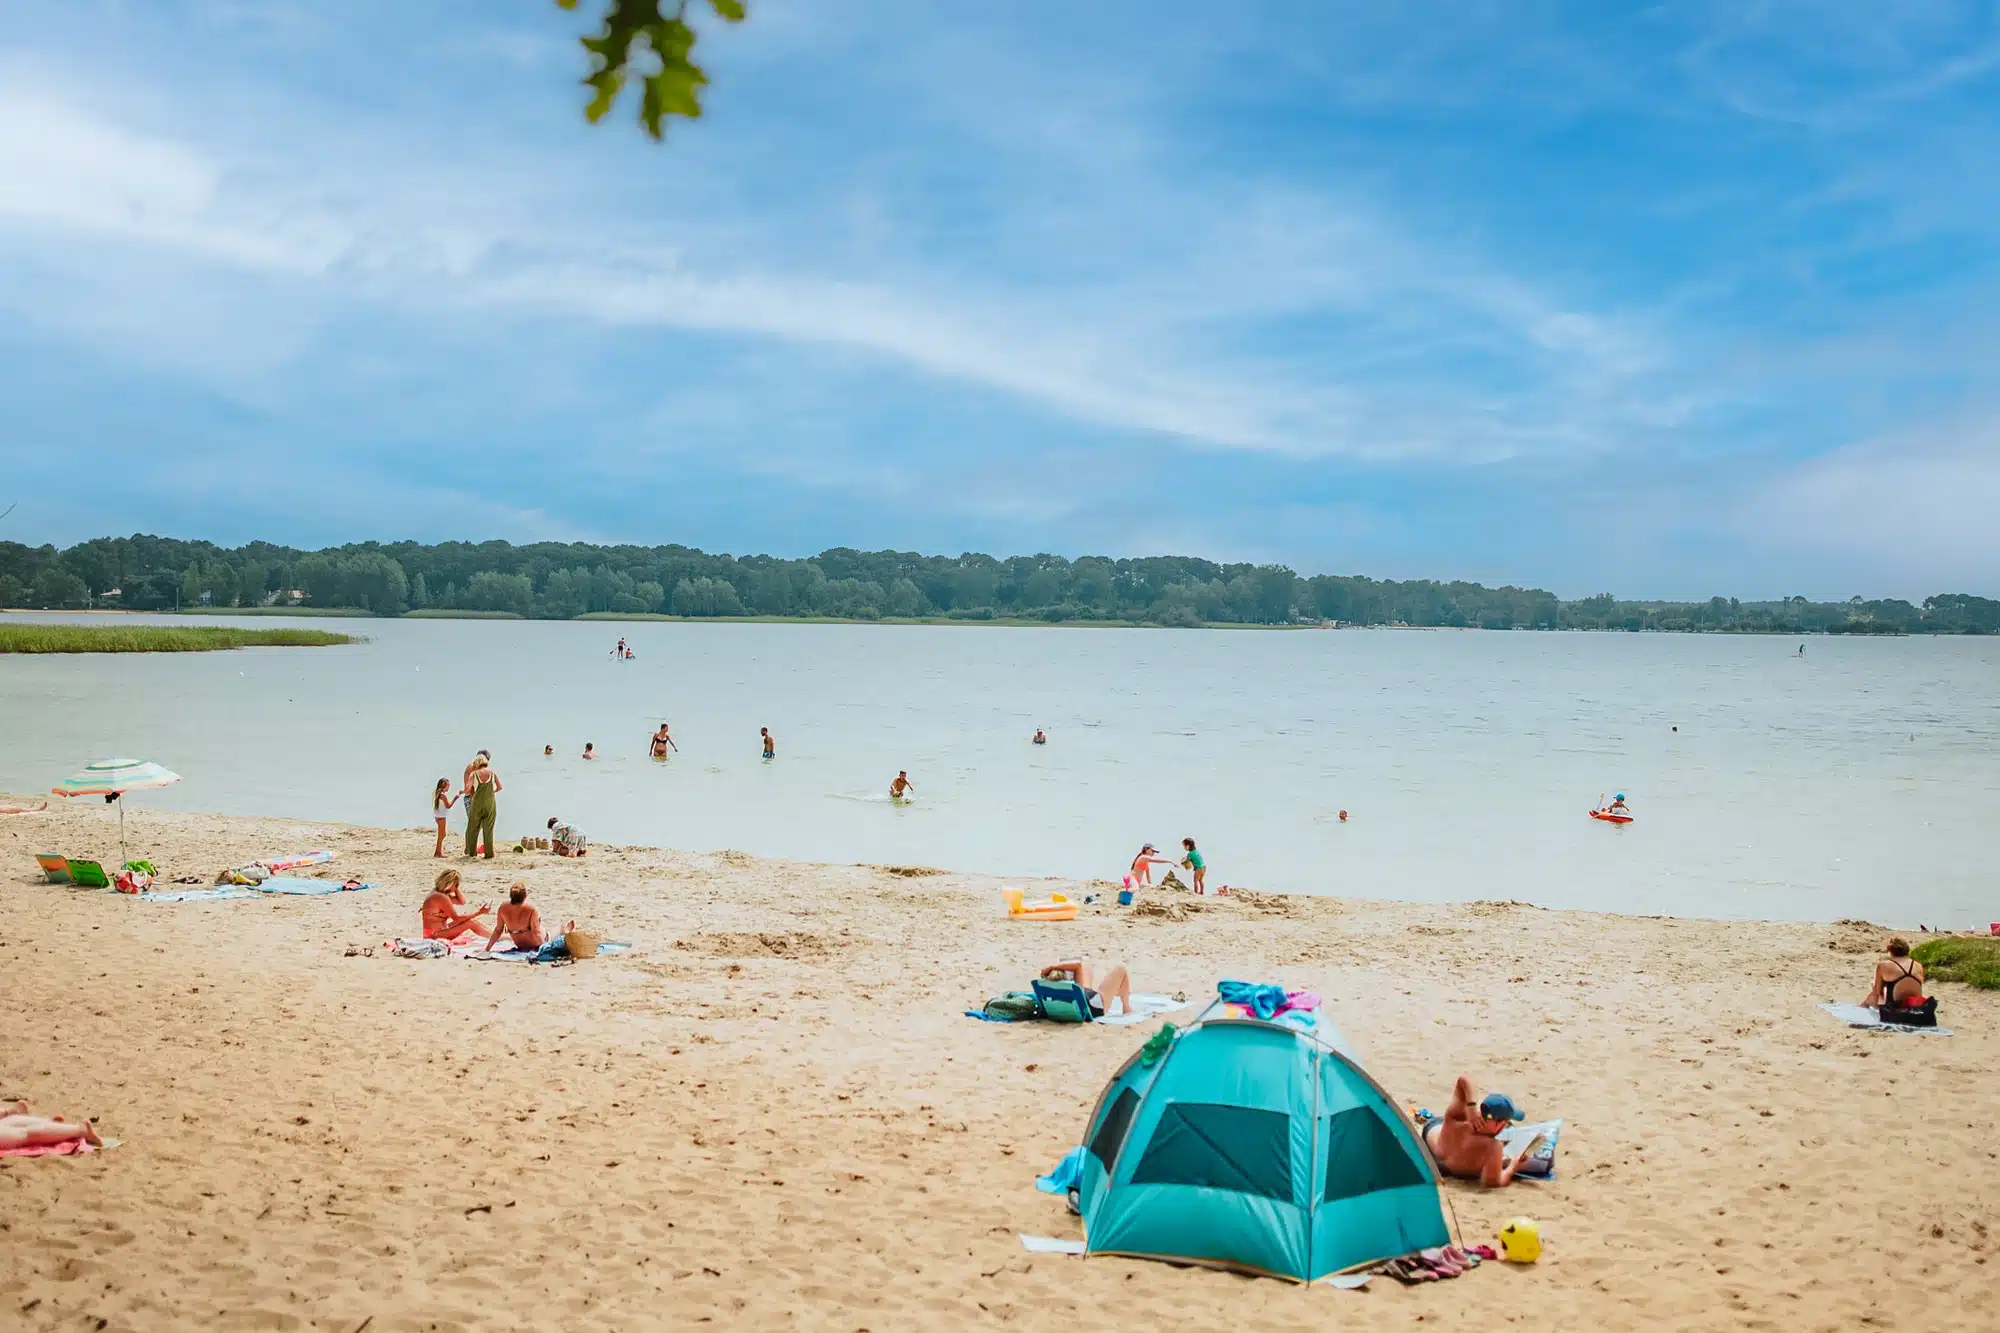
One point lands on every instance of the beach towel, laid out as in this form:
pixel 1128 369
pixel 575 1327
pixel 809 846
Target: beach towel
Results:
pixel 278 865
pixel 419 948
pixel 1143 1008
pixel 1861 1016
pixel 1068 1173
pixel 299 884
pixel 194 895
pixel 545 954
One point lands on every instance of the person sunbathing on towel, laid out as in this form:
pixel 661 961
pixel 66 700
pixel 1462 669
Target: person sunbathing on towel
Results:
pixel 518 919
pixel 20 1127
pixel 1466 1142
pixel 442 918
pixel 1111 983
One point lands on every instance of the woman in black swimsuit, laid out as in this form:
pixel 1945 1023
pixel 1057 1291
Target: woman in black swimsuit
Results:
pixel 1899 978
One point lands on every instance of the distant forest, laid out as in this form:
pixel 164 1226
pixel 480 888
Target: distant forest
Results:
pixel 551 580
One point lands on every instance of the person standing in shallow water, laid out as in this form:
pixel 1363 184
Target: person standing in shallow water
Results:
pixel 482 787
pixel 770 742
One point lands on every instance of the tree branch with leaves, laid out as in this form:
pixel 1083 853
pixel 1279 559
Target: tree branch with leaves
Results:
pixel 636 32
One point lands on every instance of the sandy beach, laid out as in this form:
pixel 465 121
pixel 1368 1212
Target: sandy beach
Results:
pixel 772 1113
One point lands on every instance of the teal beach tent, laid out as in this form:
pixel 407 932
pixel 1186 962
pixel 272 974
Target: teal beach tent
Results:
pixel 1256 1146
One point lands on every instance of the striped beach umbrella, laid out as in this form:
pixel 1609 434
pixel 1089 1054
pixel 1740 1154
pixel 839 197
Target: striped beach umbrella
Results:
pixel 111 779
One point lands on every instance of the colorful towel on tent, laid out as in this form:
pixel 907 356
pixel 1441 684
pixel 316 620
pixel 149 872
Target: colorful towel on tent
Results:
pixel 300 884
pixel 1270 1003
pixel 1862 1016
pixel 192 895
pixel 73 1148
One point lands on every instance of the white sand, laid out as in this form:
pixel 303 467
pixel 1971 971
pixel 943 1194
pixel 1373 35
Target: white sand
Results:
pixel 772 1114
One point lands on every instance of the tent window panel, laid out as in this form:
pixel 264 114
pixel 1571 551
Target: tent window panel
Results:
pixel 1364 1155
pixel 1220 1147
pixel 1110 1135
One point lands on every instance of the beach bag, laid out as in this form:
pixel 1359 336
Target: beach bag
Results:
pixel 1013 1007
pixel 1922 1015
pixel 582 943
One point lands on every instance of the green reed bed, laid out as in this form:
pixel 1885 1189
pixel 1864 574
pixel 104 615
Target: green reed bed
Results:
pixel 1976 962
pixel 156 638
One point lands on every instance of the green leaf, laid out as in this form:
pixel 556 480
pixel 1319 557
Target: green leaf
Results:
pixel 729 10
pixel 633 27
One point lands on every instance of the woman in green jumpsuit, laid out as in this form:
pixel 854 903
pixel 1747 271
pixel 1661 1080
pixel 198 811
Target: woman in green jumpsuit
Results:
pixel 481 787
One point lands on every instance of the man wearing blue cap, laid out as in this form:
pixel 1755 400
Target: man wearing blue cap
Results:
pixel 1466 1141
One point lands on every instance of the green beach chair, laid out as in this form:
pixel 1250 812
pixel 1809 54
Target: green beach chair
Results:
pixel 87 875
pixel 54 866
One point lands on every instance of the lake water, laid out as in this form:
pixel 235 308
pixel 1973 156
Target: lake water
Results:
pixel 1860 780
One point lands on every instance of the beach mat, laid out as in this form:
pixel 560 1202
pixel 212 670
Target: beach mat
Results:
pixel 1861 1016
pixel 192 895
pixel 301 885
pixel 528 955
pixel 1144 1007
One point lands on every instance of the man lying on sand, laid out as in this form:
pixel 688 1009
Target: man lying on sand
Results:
pixel 442 919
pixel 1466 1142
pixel 1110 983
pixel 20 1127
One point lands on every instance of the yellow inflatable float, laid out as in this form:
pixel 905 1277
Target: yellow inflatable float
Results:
pixel 1055 907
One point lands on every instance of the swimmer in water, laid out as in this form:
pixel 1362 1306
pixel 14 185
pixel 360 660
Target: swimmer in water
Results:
pixel 1040 738
pixel 590 749
pixel 548 750
pixel 900 785
pixel 770 742
pixel 662 742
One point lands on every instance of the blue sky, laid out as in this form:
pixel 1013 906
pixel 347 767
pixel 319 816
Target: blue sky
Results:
pixel 1668 299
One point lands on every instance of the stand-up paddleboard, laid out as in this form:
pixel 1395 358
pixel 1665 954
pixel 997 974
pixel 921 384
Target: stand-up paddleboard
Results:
pixel 1610 818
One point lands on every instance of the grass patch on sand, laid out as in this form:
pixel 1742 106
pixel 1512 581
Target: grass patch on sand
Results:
pixel 156 638
pixel 1976 962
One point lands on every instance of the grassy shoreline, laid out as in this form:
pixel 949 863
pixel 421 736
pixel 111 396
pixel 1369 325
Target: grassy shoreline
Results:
pixel 157 638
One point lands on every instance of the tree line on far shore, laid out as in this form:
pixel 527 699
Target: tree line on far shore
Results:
pixel 559 581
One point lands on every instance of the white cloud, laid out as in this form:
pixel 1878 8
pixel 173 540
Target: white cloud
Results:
pixel 1163 338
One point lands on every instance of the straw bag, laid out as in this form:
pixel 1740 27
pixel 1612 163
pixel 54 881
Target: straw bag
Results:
pixel 581 943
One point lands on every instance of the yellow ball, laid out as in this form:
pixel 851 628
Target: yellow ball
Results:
pixel 1521 1241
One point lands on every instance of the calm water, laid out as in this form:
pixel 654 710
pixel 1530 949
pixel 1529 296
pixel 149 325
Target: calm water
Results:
pixel 1861 780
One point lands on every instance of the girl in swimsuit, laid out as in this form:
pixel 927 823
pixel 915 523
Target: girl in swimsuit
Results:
pixel 442 800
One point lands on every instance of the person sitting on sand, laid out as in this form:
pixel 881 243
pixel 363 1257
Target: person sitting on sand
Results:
pixel 1466 1141
pixel 1102 985
pixel 20 1127
pixel 568 838
pixel 441 915
pixel 1196 865
pixel 518 919
pixel 901 785
pixel 1143 863
pixel 1899 978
